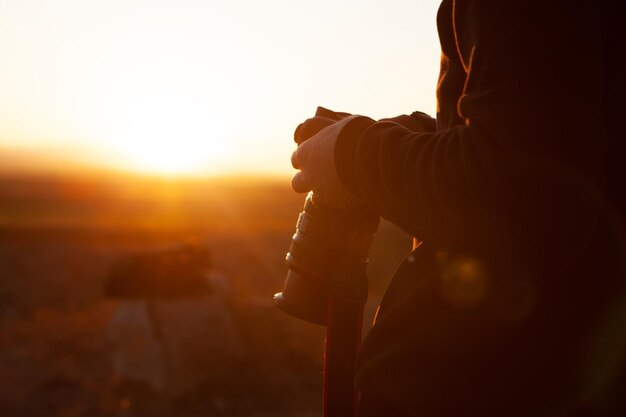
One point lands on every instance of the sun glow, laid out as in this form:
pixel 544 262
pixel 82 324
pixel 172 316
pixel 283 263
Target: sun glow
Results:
pixel 171 135
pixel 200 87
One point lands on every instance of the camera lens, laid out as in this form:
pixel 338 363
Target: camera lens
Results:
pixel 323 237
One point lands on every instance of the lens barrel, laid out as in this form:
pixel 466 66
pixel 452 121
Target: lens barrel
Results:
pixel 324 236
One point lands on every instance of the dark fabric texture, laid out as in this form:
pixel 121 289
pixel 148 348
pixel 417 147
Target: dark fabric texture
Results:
pixel 514 303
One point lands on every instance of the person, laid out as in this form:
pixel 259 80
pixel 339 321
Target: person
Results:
pixel 513 301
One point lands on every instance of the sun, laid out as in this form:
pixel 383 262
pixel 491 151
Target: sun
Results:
pixel 171 136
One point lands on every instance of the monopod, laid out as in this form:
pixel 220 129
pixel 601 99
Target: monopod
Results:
pixel 327 284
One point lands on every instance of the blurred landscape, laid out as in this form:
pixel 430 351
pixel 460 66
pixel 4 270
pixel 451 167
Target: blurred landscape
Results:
pixel 59 236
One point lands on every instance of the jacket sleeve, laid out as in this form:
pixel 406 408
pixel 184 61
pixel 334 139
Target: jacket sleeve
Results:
pixel 523 172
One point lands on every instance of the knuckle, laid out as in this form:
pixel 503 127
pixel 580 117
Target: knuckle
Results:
pixel 298 183
pixel 312 126
pixel 297 133
pixel 294 160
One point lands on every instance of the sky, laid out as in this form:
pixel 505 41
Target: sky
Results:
pixel 201 86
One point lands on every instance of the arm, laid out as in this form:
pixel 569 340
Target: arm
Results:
pixel 524 171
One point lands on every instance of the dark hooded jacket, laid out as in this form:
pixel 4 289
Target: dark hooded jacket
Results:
pixel 513 302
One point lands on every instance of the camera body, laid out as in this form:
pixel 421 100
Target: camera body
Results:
pixel 169 273
pixel 324 238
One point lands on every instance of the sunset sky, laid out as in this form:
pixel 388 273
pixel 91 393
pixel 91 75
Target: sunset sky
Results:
pixel 200 86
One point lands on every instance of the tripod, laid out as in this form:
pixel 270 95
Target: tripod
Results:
pixel 347 296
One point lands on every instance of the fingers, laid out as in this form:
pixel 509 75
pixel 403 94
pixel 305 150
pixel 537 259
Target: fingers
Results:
pixel 310 127
pixel 294 159
pixel 299 183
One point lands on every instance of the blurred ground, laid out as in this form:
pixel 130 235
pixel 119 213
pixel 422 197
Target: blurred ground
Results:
pixel 58 239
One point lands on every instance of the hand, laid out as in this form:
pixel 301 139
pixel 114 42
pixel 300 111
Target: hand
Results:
pixel 315 158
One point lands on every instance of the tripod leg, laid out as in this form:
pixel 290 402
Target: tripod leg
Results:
pixel 348 290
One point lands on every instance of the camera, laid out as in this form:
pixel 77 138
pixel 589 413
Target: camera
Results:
pixel 324 238
pixel 167 273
